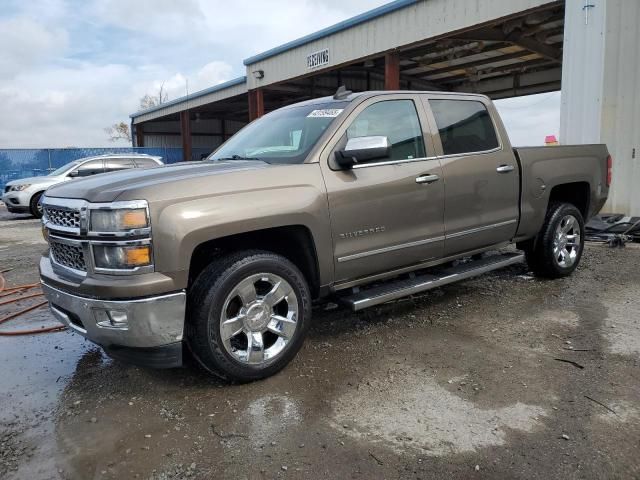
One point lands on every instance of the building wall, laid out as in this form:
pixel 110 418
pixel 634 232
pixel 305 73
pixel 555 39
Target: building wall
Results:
pixel 205 133
pixel 600 101
pixel 414 23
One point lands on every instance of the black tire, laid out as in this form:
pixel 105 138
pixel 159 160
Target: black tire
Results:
pixel 540 253
pixel 33 205
pixel 206 300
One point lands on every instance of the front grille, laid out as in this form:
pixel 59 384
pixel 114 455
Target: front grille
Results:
pixel 70 256
pixel 62 217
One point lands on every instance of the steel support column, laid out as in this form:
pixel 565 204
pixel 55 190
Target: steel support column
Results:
pixel 256 104
pixel 185 134
pixel 392 71
pixel 139 135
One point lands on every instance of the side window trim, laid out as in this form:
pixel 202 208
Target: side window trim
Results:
pixel 436 133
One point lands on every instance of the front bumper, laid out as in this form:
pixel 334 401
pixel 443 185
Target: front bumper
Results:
pixel 148 330
pixel 17 202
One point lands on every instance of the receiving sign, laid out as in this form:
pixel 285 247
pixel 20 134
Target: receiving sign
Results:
pixel 318 59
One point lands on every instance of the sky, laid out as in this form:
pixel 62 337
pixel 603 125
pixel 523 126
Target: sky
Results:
pixel 68 69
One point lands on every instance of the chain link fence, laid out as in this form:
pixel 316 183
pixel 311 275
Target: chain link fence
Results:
pixel 17 163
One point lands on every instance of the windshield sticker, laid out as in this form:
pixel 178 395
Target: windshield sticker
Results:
pixel 327 112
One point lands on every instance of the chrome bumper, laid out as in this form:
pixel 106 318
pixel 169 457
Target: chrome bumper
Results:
pixel 137 323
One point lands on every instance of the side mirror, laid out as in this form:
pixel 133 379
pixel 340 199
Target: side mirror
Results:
pixel 363 150
pixel 73 173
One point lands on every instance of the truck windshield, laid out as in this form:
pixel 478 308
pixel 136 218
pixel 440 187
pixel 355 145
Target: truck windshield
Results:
pixel 283 136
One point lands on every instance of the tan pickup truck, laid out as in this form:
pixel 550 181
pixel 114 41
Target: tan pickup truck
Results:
pixel 366 197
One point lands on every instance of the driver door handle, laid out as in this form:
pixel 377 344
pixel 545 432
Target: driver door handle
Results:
pixel 427 178
pixel 505 168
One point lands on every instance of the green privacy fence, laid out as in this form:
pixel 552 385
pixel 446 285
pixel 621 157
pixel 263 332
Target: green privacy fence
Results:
pixel 17 163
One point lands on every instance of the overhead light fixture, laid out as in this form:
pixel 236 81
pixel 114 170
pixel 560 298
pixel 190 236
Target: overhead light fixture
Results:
pixel 368 64
pixel 258 74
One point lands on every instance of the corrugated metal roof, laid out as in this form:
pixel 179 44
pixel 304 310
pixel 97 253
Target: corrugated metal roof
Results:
pixel 201 93
pixel 325 32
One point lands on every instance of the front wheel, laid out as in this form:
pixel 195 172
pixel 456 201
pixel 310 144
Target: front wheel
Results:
pixel 248 315
pixel 558 248
pixel 35 207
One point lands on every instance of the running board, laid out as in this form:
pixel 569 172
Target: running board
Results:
pixel 393 290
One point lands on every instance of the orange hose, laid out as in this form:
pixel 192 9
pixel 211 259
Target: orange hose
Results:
pixel 13 300
pixel 12 290
pixel 17 290
pixel 33 332
pixel 20 312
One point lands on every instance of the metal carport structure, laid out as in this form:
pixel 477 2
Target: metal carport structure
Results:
pixel 502 48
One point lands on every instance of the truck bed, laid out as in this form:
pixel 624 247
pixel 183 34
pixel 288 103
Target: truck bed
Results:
pixel 581 167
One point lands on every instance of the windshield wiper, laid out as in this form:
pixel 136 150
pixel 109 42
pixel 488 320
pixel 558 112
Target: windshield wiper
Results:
pixel 239 157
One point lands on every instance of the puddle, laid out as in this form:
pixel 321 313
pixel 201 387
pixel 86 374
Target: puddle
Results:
pixel 418 413
pixel 270 416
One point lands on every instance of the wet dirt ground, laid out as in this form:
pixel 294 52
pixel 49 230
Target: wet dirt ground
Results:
pixel 504 376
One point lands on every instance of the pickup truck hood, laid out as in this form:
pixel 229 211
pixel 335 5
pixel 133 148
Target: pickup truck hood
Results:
pixel 176 180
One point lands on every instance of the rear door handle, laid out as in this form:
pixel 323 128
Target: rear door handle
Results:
pixel 505 168
pixel 427 178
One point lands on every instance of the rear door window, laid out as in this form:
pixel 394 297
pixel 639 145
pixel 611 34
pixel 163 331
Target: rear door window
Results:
pixel 115 164
pixel 145 162
pixel 465 126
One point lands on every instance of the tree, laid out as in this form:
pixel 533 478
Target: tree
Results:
pixel 119 131
pixel 149 101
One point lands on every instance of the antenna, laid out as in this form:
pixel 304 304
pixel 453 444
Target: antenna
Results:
pixel 341 93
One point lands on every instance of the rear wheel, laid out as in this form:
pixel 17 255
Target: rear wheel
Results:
pixel 35 207
pixel 248 315
pixel 558 248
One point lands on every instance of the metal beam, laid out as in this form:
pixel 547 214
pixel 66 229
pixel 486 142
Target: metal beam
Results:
pixel 476 63
pixel 511 82
pixel 517 37
pixel 515 69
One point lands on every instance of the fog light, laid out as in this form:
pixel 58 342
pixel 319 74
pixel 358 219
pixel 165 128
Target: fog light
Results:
pixel 111 319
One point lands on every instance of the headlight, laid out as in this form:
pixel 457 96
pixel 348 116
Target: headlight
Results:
pixel 120 220
pixel 121 257
pixel 19 188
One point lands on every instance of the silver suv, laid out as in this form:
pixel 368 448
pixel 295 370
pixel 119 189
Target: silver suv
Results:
pixel 23 196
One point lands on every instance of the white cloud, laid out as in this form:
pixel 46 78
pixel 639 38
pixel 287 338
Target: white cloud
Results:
pixel 25 43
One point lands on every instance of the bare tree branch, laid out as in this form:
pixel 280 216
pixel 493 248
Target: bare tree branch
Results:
pixel 118 131
pixel 149 101
pixel 121 131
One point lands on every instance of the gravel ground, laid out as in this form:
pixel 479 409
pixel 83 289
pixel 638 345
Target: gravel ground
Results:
pixel 504 376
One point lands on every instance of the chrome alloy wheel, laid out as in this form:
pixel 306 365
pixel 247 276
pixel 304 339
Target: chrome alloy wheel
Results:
pixel 566 242
pixel 259 318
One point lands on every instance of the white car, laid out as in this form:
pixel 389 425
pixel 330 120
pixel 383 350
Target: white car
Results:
pixel 23 196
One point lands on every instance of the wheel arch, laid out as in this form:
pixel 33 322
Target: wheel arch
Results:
pixel 294 242
pixel 575 193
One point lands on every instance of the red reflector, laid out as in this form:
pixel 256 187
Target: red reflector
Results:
pixel 609 169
